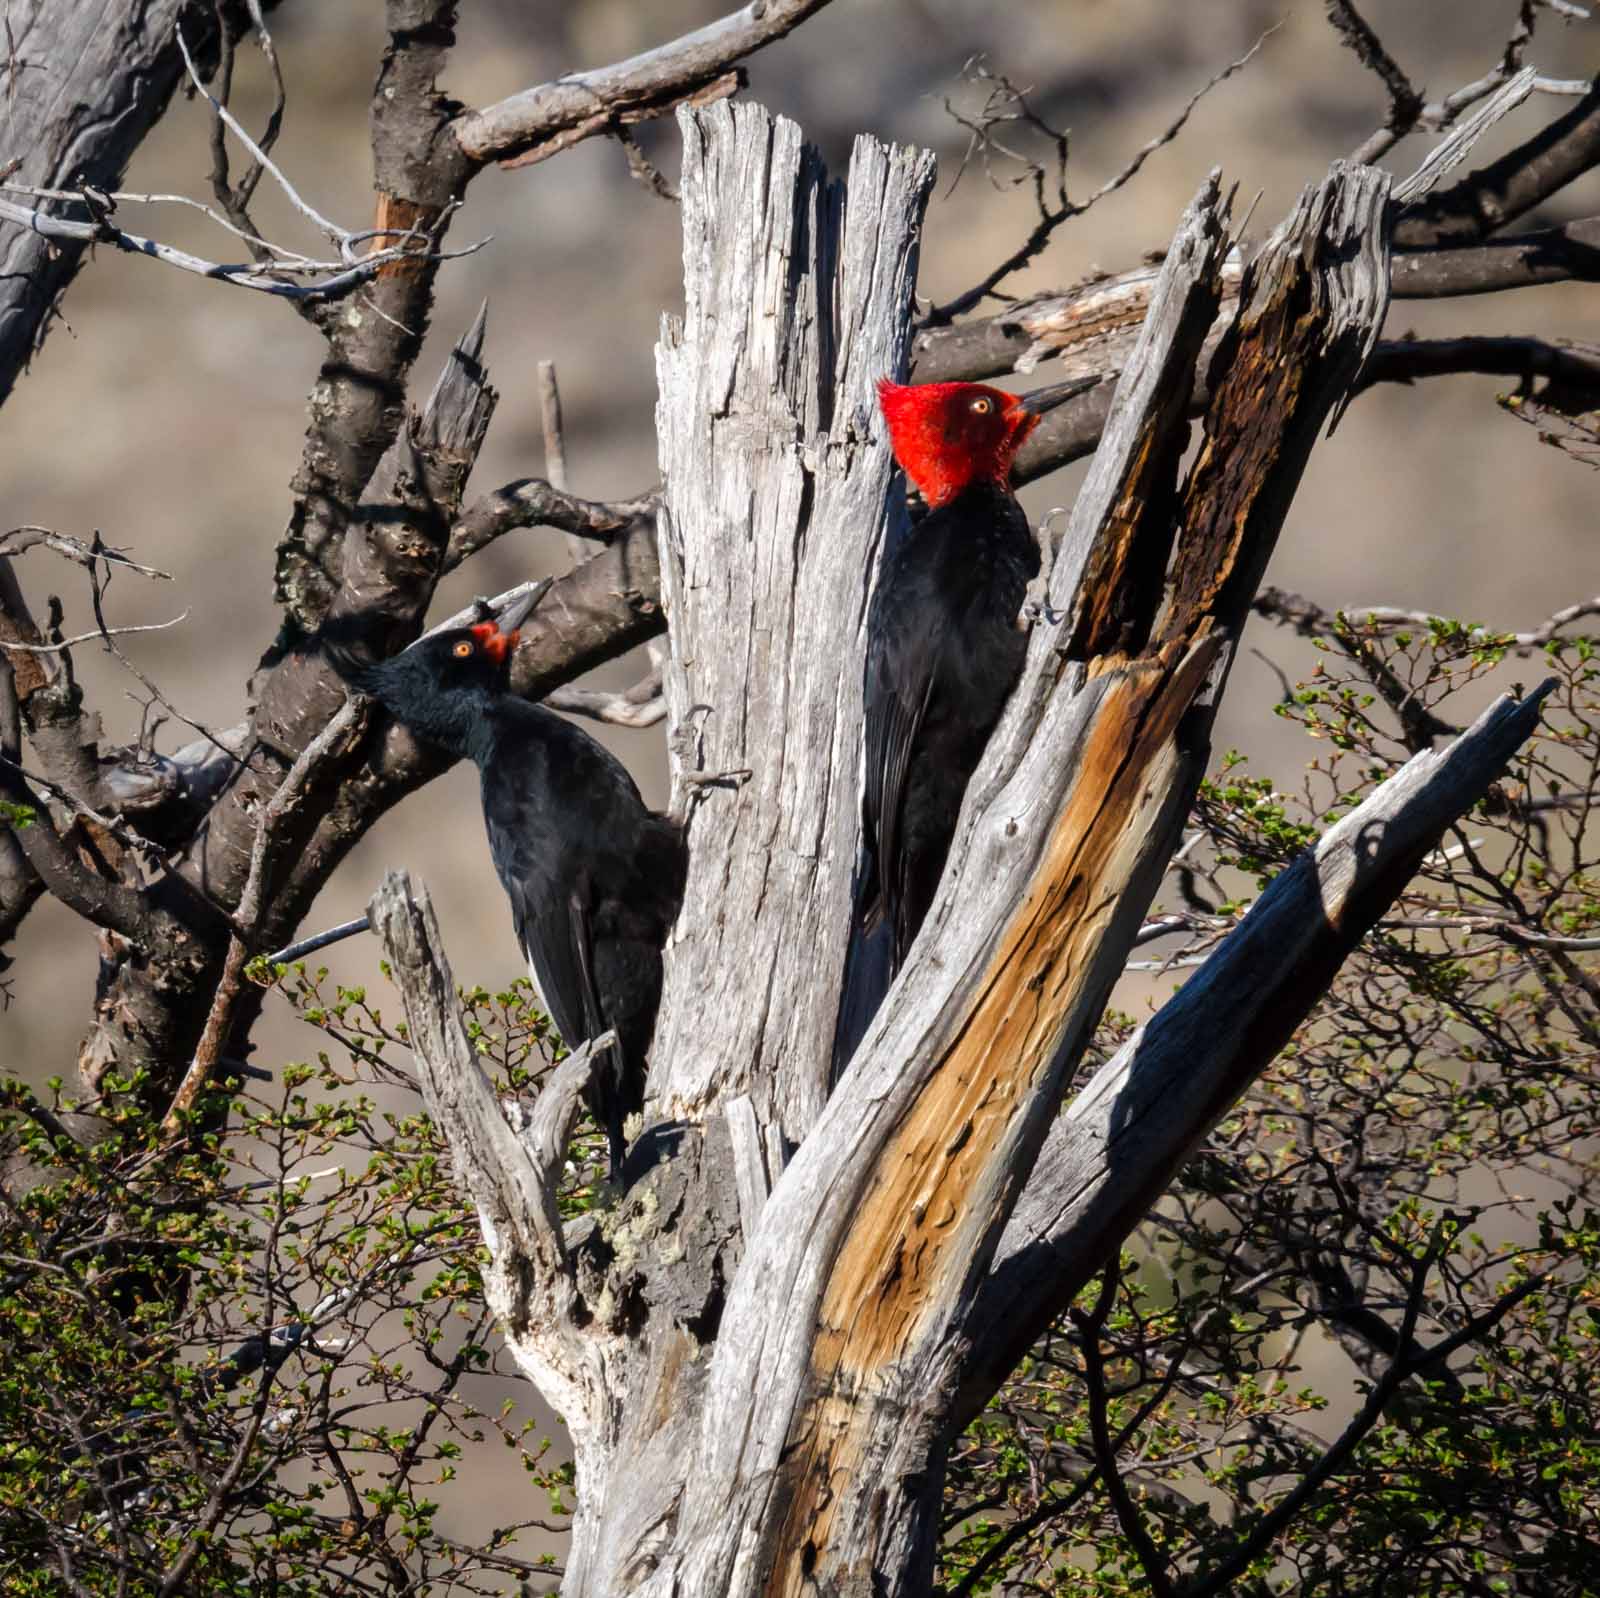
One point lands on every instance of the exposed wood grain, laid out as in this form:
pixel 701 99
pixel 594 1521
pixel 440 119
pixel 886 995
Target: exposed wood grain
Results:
pixel 777 479
pixel 1072 811
pixel 777 486
pixel 776 1314
pixel 1124 1136
pixel 529 1284
pixel 762 1365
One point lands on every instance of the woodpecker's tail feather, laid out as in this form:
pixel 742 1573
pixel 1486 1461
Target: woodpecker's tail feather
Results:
pixel 868 971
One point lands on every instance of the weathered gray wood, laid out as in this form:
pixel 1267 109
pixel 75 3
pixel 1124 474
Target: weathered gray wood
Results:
pixel 84 84
pixel 529 1283
pixel 1124 1136
pixel 777 478
pixel 777 485
pixel 539 121
pixel 816 1458
pixel 769 1342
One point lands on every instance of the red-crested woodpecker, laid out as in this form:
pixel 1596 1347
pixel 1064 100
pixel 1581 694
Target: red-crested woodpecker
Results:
pixel 944 645
pixel 594 877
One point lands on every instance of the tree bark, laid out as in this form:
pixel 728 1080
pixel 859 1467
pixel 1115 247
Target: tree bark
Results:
pixel 84 84
pixel 765 1345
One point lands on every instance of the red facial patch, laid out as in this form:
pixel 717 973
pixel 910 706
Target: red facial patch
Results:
pixel 948 435
pixel 494 643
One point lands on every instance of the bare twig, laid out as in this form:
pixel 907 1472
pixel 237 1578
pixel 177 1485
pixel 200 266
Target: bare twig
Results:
pixel 1090 1327
pixel 273 269
pixel 21 539
pixel 555 448
pixel 219 1019
pixel 643 169
pixel 335 234
pixel 235 199
pixel 100 632
pixel 339 281
pixel 1051 216
pixel 1509 186
pixel 640 705
pixel 1408 110
pixel 555 443
pixel 1405 103
pixel 1497 926
pixel 1502 95
pixel 532 502
pixel 95 552
pixel 538 122
pixel 1309 618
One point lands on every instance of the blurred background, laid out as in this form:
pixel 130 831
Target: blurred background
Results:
pixel 168 411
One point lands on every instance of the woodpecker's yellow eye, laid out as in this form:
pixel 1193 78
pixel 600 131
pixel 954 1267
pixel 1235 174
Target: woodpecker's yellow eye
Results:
pixel 463 649
pixel 982 406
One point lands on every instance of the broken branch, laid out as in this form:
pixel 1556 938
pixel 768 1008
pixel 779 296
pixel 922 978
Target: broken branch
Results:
pixel 1128 1131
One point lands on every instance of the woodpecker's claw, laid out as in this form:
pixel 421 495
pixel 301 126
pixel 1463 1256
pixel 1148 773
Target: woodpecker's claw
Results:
pixel 736 778
pixel 1037 608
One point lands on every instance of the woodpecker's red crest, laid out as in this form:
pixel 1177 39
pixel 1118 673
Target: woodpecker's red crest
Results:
pixel 494 643
pixel 950 435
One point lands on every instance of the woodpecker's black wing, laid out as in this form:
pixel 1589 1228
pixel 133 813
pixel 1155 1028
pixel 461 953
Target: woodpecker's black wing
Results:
pixel 553 929
pixel 902 667
pixel 942 654
pixel 594 879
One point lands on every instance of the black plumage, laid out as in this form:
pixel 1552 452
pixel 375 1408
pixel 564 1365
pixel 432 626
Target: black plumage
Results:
pixel 945 645
pixel 595 878
pixel 944 651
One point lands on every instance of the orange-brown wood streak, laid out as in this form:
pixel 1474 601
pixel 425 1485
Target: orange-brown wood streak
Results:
pixel 1256 402
pixel 889 1271
pixel 395 215
pixel 1106 573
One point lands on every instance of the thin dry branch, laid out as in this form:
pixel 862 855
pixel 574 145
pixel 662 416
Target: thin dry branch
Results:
pixel 1408 109
pixel 336 235
pixel 21 539
pixel 97 79
pixel 331 280
pixel 639 705
pixel 58 644
pixel 1052 216
pixel 555 447
pixel 1090 1327
pixel 1509 186
pixel 539 122
pixel 1311 619
pixel 241 943
pixel 533 502
pixel 235 198
pixel 1405 103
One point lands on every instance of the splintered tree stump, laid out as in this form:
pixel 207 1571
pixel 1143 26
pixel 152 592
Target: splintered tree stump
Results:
pixel 764 1348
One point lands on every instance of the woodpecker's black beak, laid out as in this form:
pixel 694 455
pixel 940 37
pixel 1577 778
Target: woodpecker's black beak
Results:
pixel 522 607
pixel 1046 399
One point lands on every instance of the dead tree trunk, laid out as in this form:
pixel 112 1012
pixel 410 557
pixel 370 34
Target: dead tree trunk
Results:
pixel 765 1346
